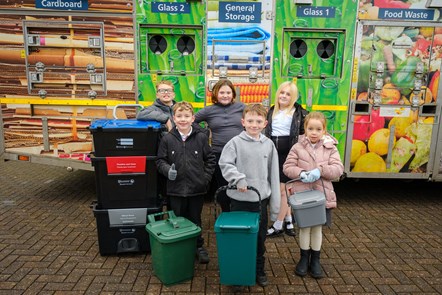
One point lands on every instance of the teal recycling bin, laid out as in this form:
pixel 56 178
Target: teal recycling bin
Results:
pixel 173 246
pixel 236 238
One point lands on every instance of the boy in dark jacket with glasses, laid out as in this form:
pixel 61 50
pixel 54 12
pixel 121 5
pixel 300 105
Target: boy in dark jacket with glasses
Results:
pixel 161 109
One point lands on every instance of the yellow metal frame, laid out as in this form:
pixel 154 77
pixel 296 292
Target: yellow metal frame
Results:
pixel 105 102
pixel 79 102
pixel 329 108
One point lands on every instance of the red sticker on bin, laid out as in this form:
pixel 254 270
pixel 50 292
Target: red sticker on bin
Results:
pixel 134 164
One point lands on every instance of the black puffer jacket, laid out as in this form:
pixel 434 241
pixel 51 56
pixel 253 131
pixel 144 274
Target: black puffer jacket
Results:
pixel 193 159
pixel 297 126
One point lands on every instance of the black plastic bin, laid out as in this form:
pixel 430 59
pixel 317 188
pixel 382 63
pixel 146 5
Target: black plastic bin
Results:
pixel 123 230
pixel 126 188
pixel 125 137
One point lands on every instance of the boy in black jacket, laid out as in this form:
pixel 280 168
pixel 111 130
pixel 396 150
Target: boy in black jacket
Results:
pixel 186 159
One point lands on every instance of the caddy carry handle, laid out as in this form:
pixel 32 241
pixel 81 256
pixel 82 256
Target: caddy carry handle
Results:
pixel 299 179
pixel 234 187
pixel 151 217
pixel 285 186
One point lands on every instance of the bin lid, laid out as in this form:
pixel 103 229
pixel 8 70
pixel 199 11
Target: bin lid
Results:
pixel 307 199
pixel 173 229
pixel 239 221
pixel 109 125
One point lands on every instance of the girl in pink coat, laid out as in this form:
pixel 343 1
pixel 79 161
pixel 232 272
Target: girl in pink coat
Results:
pixel 312 158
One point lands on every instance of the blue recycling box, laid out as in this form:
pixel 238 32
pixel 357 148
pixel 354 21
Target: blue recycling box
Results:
pixel 236 238
pixel 119 137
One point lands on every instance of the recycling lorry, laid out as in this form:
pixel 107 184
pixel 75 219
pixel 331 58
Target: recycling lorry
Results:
pixel 371 66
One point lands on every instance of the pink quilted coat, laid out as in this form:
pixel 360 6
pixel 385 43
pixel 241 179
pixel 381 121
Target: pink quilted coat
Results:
pixel 303 156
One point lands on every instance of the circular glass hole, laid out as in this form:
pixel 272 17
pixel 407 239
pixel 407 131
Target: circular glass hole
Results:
pixel 157 44
pixel 298 48
pixel 185 45
pixel 325 49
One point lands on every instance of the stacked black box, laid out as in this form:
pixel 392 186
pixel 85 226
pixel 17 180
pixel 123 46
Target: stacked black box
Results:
pixel 126 179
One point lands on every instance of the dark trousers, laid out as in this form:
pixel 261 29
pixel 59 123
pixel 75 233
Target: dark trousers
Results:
pixel 262 233
pixel 190 208
pixel 162 190
pixel 222 198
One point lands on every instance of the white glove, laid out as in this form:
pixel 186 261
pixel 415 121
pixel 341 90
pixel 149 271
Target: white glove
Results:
pixel 172 173
pixel 303 176
pixel 314 175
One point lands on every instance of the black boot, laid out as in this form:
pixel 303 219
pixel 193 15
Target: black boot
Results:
pixel 315 265
pixel 261 277
pixel 302 266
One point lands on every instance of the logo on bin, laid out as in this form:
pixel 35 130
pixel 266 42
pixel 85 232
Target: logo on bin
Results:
pixel 126 181
pixel 125 142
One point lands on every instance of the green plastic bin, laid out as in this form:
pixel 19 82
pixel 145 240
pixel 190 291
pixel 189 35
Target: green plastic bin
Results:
pixel 236 238
pixel 173 246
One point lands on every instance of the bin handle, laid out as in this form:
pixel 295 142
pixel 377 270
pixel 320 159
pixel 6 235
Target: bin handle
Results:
pixel 235 226
pixel 151 217
pixel 174 223
pixel 234 187
pixel 299 179
pixel 114 113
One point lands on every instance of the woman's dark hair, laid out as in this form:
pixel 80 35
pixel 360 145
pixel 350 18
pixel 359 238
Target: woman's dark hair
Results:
pixel 218 86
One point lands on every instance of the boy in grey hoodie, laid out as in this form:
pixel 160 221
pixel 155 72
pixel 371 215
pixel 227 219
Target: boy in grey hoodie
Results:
pixel 251 159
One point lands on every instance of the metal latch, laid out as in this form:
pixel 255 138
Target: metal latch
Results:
pixel 36 77
pixel 96 78
pixel 34 40
pixel 94 42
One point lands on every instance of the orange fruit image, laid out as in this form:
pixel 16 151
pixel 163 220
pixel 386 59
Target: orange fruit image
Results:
pixel 390 94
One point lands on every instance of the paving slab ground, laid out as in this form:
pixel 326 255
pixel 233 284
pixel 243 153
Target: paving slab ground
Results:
pixel 386 238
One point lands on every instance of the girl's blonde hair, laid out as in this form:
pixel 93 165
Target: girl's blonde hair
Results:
pixel 293 90
pixel 318 116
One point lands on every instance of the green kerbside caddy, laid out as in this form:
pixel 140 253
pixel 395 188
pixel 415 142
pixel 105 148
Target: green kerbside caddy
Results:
pixel 173 245
pixel 236 239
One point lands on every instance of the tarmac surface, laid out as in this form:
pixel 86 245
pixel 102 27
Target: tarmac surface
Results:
pixel 386 238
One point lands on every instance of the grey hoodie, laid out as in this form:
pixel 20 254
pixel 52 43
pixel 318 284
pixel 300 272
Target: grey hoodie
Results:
pixel 248 162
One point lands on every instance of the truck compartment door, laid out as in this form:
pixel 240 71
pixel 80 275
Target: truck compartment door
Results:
pixel 65 58
pixel 171 50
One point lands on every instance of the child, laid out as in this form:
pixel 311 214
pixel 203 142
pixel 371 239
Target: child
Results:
pixel 315 156
pixel 223 118
pixel 286 123
pixel 251 159
pixel 186 159
pixel 161 110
